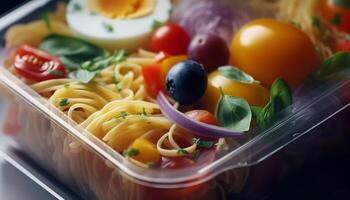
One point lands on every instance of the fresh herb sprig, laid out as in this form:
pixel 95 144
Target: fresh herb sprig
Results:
pixel 280 99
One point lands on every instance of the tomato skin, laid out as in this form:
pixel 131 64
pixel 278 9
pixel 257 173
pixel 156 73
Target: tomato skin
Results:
pixel 36 65
pixel 203 116
pixel 170 38
pixel 255 94
pixel 329 10
pixel 343 45
pixel 269 49
pixel 152 76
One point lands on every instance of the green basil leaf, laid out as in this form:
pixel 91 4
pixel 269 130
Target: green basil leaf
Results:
pixel 234 113
pixel 102 62
pixel 236 74
pixel 83 75
pixel 281 95
pixel 342 3
pixel 280 99
pixel 337 19
pixel 335 63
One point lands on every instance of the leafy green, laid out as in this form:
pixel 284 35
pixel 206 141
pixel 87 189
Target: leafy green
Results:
pixel 72 51
pixel 152 165
pixel 131 152
pixel 182 152
pixel 156 24
pixel 236 74
pixel 337 19
pixel 123 114
pixel 342 3
pixel 207 144
pixel 335 63
pixel 233 113
pixel 280 99
pixel 108 27
pixel 64 102
pixel 316 22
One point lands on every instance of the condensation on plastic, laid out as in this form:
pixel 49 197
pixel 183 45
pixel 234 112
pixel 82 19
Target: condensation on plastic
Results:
pixel 96 171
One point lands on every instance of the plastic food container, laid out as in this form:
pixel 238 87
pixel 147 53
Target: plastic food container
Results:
pixel 250 170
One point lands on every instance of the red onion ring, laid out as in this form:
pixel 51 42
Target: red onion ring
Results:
pixel 194 127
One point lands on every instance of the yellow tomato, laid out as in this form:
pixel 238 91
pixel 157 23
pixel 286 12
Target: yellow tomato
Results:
pixel 168 63
pixel 254 94
pixel 268 49
pixel 147 151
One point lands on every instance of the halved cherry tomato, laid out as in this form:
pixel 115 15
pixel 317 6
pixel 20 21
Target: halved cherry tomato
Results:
pixel 171 38
pixel 343 45
pixel 203 116
pixel 37 65
pixel 336 12
pixel 147 151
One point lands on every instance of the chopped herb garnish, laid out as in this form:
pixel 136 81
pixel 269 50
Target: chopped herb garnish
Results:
pixel 337 19
pixel 116 83
pixel 77 7
pixel 131 152
pixel 108 27
pixel 64 102
pixel 157 24
pixel 152 165
pixel 46 17
pixel 56 73
pixel 66 85
pixel 203 143
pixel 123 114
pixel 144 113
pixel 182 152
pixel 316 23
pixel 196 154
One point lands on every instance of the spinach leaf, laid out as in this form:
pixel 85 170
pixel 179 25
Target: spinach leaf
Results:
pixel 233 113
pixel 236 74
pixel 335 63
pixel 73 51
pixel 280 99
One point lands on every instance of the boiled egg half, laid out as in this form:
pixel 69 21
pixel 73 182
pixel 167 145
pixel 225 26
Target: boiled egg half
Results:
pixel 117 24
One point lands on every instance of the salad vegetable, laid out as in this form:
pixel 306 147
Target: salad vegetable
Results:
pixel 36 65
pixel 264 49
pixel 170 38
pixel 337 13
pixel 209 50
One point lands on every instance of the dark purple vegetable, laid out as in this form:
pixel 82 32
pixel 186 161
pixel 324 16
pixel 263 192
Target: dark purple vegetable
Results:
pixel 209 50
pixel 219 17
pixel 193 126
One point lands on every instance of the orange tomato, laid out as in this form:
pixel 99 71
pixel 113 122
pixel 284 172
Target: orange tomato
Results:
pixel 255 94
pixel 147 151
pixel 268 49
pixel 336 12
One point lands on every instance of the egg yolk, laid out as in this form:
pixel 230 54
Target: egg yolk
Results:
pixel 119 9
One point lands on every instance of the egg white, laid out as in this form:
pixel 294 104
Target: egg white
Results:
pixel 129 34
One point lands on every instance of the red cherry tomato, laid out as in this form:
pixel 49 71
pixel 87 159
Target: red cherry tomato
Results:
pixel 203 116
pixel 343 45
pixel 36 65
pixel 336 12
pixel 172 39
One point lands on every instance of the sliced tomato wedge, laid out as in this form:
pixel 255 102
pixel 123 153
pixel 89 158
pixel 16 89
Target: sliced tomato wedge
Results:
pixel 36 65
pixel 152 76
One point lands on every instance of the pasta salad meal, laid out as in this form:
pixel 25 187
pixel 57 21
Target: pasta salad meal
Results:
pixel 167 83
